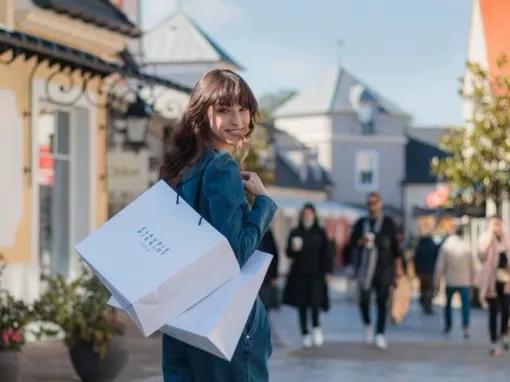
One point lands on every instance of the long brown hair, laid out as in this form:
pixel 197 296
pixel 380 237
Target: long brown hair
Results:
pixel 193 133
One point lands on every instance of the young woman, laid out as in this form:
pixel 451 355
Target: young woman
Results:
pixel 219 118
pixel 306 287
pixel 494 282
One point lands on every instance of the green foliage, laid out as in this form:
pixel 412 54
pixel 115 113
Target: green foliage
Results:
pixel 80 309
pixel 14 315
pixel 478 165
pixel 259 155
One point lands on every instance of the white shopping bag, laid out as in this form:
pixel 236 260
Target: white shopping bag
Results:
pixel 156 259
pixel 215 323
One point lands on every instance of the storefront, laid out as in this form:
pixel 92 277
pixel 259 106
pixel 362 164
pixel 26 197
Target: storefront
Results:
pixel 55 100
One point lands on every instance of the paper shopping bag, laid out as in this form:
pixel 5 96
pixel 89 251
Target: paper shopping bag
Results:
pixel 156 259
pixel 401 299
pixel 215 323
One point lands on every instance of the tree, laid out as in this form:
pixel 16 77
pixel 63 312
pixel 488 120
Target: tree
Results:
pixel 258 155
pixel 477 167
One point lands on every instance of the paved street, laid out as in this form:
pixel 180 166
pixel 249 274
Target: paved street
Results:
pixel 417 352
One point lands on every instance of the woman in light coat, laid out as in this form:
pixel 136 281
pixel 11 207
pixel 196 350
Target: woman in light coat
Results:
pixel 493 281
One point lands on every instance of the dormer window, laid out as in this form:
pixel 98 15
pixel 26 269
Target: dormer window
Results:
pixel 366 107
pixel 366 114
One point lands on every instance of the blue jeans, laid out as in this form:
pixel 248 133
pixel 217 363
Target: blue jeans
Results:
pixel 464 297
pixel 184 363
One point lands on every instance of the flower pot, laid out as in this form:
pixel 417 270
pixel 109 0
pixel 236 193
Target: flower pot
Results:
pixel 10 365
pixel 91 368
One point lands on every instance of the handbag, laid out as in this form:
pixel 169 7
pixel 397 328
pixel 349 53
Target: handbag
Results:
pixel 270 296
pixel 502 273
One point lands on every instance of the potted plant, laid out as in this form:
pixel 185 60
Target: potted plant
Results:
pixel 14 315
pixel 92 331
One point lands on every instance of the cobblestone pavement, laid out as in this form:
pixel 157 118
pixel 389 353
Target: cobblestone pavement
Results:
pixel 417 352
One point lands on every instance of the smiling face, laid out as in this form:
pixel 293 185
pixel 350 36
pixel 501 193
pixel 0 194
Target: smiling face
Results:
pixel 230 125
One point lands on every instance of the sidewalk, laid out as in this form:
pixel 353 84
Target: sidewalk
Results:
pixel 417 351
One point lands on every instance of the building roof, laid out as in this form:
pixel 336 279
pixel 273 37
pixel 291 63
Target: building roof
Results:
pixel 98 12
pixel 178 39
pixel 428 134
pixel 338 91
pixel 418 157
pixel 295 164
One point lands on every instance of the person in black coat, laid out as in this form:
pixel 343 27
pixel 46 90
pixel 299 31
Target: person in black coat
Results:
pixel 374 238
pixel 269 290
pixel 306 287
pixel 425 257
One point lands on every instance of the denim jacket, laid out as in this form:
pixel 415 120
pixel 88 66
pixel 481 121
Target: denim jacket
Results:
pixel 214 188
pixel 223 204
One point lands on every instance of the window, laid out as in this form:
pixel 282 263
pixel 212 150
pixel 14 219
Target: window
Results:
pixel 64 148
pixel 54 191
pixel 367 170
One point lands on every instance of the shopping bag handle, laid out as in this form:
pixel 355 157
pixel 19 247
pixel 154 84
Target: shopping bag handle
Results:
pixel 199 188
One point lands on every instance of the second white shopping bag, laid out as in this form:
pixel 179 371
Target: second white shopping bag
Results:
pixel 216 323
pixel 156 258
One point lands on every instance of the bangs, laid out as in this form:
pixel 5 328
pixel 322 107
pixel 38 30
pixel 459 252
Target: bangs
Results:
pixel 229 90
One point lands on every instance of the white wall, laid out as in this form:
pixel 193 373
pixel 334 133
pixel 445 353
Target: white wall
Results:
pixel 185 74
pixel 477 52
pixel 313 131
pixel 415 195
pixel 11 168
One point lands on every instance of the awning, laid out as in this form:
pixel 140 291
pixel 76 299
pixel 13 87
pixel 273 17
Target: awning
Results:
pixel 292 205
pixel 28 46
pixel 471 211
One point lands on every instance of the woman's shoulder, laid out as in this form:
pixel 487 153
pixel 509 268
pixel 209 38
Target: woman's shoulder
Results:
pixel 222 172
pixel 211 159
pixel 221 159
pixel 221 164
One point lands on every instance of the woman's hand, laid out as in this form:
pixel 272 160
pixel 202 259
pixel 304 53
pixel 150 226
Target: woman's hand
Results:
pixel 252 183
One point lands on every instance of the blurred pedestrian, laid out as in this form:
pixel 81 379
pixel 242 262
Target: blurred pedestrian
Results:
pixel 378 256
pixel 306 287
pixel 455 263
pixel 425 257
pixel 494 282
pixel 269 293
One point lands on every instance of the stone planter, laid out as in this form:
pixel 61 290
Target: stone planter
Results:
pixel 91 368
pixel 10 365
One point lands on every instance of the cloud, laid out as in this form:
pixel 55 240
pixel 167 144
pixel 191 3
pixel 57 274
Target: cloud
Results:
pixel 211 12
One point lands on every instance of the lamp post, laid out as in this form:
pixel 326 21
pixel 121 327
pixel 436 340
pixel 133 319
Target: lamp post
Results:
pixel 137 118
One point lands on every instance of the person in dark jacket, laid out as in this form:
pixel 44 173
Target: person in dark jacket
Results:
pixel 306 287
pixel 269 290
pixel 375 240
pixel 425 257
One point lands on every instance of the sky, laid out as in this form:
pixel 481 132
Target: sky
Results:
pixel 411 52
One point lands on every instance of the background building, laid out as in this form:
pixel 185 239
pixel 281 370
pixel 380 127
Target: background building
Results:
pixel 358 135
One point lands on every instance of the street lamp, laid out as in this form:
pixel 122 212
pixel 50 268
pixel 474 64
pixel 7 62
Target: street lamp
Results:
pixel 137 117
